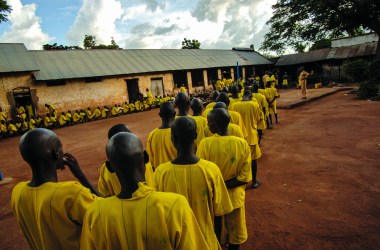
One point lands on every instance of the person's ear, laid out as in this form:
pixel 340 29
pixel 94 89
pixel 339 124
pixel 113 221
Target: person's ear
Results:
pixel 109 167
pixel 146 157
pixel 55 154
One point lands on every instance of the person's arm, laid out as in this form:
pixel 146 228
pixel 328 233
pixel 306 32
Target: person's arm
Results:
pixel 233 183
pixel 218 222
pixel 70 161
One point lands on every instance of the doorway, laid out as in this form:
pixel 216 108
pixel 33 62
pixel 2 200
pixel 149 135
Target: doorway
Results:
pixel 22 96
pixel 133 89
pixel 157 87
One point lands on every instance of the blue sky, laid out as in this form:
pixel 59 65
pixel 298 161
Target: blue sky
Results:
pixel 216 24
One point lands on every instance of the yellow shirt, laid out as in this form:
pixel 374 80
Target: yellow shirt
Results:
pixel 206 111
pixel 210 105
pixel 232 101
pixel 104 112
pixel 32 123
pixel 68 116
pixel 203 186
pixel 233 157
pixel 251 114
pixel 76 117
pixel 238 120
pixel 62 120
pixel 125 108
pixel 233 129
pixel 160 147
pixel 200 120
pixel 148 220
pixel 115 111
pixel 3 116
pixel 109 185
pixel 150 97
pixel 47 122
pixel 97 113
pixel 12 129
pixel 51 215
pixel 3 128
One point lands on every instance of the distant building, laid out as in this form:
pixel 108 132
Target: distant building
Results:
pixel 326 63
pixel 74 79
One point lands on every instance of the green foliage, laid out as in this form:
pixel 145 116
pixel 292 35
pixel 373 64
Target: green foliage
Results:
pixel 4 8
pixel 307 21
pixel 59 47
pixel 357 70
pixel 321 44
pixel 368 90
pixel 190 44
pixel 89 42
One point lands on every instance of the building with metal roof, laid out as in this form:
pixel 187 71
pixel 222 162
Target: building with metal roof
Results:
pixel 73 79
pixel 354 51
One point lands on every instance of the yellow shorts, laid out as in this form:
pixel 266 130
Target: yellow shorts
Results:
pixel 255 151
pixel 236 226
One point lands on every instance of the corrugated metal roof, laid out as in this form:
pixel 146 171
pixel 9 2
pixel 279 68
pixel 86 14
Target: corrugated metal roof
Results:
pixel 92 63
pixel 253 56
pixel 365 49
pixel 14 57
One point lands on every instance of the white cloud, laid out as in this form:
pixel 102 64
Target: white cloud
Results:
pixel 25 26
pixel 216 24
pixel 97 18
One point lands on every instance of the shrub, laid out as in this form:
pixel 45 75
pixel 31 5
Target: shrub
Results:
pixel 368 89
pixel 357 70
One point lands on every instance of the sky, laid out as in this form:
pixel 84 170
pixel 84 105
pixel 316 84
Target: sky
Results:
pixel 138 24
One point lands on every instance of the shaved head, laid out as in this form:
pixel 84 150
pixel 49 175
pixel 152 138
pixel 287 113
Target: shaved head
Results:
pixel 215 95
pixel 117 129
pixel 167 110
pixel 223 97
pixel 196 105
pixel 41 145
pixel 247 95
pixel 218 120
pixel 184 131
pixel 220 105
pixel 126 155
pixel 235 90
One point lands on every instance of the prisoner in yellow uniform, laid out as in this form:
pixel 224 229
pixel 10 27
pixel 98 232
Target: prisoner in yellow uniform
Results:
pixel 263 104
pixel 233 157
pixel 149 97
pixel 109 185
pixel 76 117
pixel 125 108
pixel 51 215
pixel 203 186
pixel 69 117
pixel 233 129
pixel 160 147
pixel 62 119
pixel 21 112
pixel 97 113
pixel 302 81
pixel 12 130
pixel 32 123
pixel 105 111
pixel 251 114
pixel 272 95
pixel 147 220
pixel 3 116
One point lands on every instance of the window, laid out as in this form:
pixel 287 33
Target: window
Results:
pixel 52 83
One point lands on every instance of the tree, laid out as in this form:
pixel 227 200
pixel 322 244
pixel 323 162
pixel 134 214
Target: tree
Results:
pixel 4 8
pixel 59 47
pixel 306 21
pixel 321 44
pixel 190 44
pixel 89 41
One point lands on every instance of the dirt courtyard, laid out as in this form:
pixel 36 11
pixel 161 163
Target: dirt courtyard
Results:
pixel 320 173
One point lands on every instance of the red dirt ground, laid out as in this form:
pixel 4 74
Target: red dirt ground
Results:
pixel 320 173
